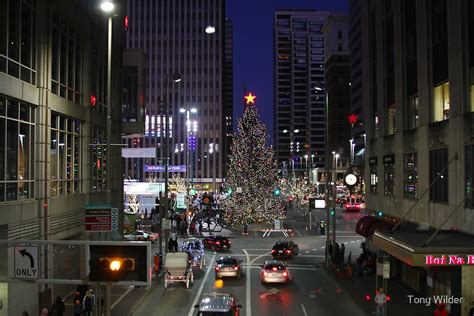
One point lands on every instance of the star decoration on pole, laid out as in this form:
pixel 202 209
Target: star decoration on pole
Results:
pixel 250 99
pixel 353 118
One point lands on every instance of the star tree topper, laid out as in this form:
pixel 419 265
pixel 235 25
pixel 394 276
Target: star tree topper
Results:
pixel 250 99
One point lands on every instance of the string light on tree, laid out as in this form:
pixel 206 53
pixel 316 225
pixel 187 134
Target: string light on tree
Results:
pixel 252 175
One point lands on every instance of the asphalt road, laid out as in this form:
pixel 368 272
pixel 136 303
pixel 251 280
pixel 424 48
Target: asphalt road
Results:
pixel 310 292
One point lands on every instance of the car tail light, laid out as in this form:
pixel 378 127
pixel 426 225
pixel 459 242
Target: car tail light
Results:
pixel 357 206
pixel 265 273
pixel 273 250
pixel 347 205
pixel 285 274
pixel 236 268
pixel 274 268
pixel 288 251
pixel 229 242
pixel 217 268
pixel 218 242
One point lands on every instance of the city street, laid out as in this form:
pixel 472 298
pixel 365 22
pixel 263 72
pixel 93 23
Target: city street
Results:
pixel 311 291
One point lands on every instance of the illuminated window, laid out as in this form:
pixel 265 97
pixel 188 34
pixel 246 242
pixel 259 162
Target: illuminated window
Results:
pixel 391 115
pixel 410 181
pixel 412 112
pixel 373 175
pixel 16 150
pixel 441 102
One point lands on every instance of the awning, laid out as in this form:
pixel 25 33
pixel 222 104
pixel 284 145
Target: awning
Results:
pixel 367 225
pixel 363 225
pixel 409 246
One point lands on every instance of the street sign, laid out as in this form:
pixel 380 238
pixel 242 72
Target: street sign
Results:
pixel 98 227
pixel 26 262
pixel 166 224
pixel 317 203
pixel 277 224
pixel 98 211
pixel 98 219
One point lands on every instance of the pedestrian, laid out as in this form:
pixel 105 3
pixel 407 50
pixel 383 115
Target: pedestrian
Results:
pixel 330 248
pixel 175 244
pixel 58 307
pixel 441 310
pixel 146 213
pixel 77 308
pixel 170 244
pixel 380 301
pixel 343 250
pixel 88 303
pixel 44 312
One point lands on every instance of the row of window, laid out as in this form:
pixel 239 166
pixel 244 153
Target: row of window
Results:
pixel 438 164
pixel 17 159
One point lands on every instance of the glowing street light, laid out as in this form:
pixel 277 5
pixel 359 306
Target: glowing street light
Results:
pixel 107 6
pixel 210 29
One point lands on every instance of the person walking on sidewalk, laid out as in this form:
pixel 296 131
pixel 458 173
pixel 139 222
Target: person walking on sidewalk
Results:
pixel 380 301
pixel 58 307
pixel 441 311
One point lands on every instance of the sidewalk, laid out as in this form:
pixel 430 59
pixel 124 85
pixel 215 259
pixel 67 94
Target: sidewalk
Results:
pixel 361 286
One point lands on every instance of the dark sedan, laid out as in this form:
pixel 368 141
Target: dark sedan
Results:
pixel 216 243
pixel 285 250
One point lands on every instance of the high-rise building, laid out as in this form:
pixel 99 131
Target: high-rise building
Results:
pixel 418 98
pixel 299 102
pixel 358 130
pixel 177 43
pixel 228 89
pixel 53 158
pixel 338 90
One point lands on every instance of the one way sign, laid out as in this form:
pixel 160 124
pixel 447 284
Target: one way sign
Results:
pixel 26 262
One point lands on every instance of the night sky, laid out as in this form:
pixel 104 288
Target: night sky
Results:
pixel 253 47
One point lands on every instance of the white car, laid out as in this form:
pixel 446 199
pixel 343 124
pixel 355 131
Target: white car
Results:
pixel 274 271
pixel 141 235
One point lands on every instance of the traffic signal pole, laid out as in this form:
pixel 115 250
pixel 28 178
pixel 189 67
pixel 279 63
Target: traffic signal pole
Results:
pixel 107 299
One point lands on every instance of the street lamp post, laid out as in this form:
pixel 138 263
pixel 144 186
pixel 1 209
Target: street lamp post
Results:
pixel 108 8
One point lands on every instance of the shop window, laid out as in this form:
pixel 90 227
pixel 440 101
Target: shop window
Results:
pixel 391 119
pixel 410 172
pixel 412 112
pixel 389 175
pixel 16 150
pixel 441 102
pixel 65 154
pixel 439 175
pixel 373 175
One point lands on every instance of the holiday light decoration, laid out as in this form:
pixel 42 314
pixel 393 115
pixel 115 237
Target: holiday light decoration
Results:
pixel 250 99
pixel 252 175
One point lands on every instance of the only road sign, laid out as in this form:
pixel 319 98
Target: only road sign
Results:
pixel 26 262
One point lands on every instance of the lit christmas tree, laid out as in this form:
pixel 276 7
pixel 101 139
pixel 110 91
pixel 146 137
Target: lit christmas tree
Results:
pixel 252 177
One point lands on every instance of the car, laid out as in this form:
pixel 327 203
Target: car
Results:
pixel 285 250
pixel 218 304
pixel 195 248
pixel 228 267
pixel 274 271
pixel 354 204
pixel 141 235
pixel 216 243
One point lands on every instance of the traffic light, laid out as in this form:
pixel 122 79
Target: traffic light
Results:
pixel 276 192
pixel 192 191
pixel 380 213
pixel 229 191
pixel 332 212
pixel 110 269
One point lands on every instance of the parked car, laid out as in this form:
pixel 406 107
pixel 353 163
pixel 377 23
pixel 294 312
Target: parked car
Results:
pixel 354 204
pixel 217 243
pixel 141 235
pixel 228 267
pixel 285 250
pixel 218 304
pixel 274 271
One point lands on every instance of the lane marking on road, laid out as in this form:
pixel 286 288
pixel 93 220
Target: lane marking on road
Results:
pixel 248 307
pixel 121 297
pixel 304 310
pixel 201 287
pixel 261 256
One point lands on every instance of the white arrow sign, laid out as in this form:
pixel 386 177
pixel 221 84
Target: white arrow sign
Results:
pixel 26 262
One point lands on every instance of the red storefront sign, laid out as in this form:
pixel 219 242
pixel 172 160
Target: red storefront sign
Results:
pixel 98 219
